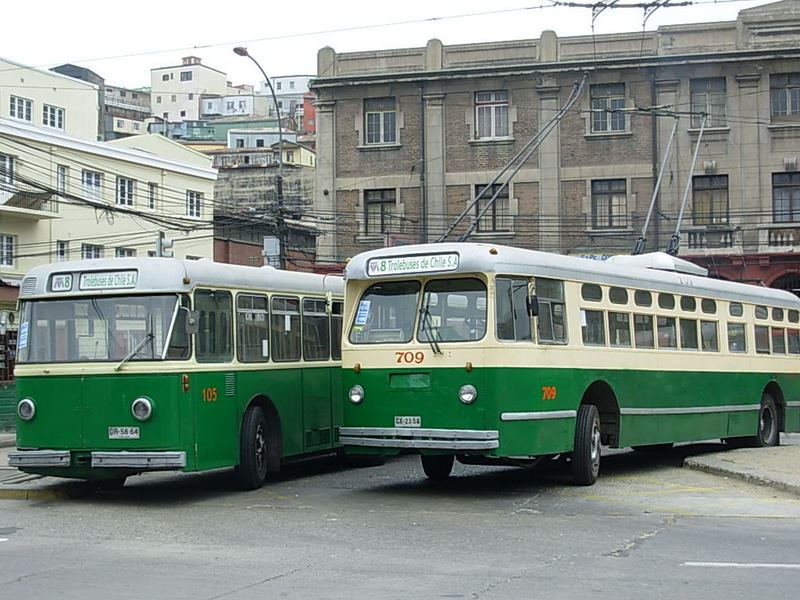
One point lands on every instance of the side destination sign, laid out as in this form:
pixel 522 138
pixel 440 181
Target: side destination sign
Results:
pixel 424 263
pixel 109 280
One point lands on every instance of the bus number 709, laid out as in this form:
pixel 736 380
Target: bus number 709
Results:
pixel 408 358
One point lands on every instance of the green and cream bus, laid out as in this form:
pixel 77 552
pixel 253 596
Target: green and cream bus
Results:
pixel 498 355
pixel 129 365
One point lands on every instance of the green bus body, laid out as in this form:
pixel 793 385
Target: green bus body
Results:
pixel 417 382
pixel 251 411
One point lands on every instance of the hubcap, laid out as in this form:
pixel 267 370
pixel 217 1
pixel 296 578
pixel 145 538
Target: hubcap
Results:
pixel 261 449
pixel 767 424
pixel 595 445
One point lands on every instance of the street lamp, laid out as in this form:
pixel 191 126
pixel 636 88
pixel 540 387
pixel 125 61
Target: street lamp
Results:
pixel 242 51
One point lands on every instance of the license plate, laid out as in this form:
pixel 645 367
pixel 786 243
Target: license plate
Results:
pixel 408 421
pixel 123 433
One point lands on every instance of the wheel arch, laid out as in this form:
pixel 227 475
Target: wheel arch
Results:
pixel 274 430
pixel 603 397
pixel 775 390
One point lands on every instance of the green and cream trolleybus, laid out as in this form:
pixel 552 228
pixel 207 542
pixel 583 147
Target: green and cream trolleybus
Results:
pixel 498 355
pixel 129 365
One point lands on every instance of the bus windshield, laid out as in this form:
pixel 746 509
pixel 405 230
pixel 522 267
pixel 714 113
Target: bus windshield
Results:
pixel 108 328
pixel 452 310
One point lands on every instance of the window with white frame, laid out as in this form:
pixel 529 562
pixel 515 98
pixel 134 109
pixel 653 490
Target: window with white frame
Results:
pixel 91 251
pixel 378 208
pixel 53 116
pixel 708 99
pixel 785 96
pixel 491 114
pixel 380 121
pixel 124 252
pixel 786 197
pixel 186 75
pixel 194 202
pixel 92 184
pixel 607 100
pixel 21 108
pixel 6 168
pixel 125 191
pixel 152 196
pixel 492 208
pixel 609 204
pixel 7 243
pixel 62 250
pixel 62 179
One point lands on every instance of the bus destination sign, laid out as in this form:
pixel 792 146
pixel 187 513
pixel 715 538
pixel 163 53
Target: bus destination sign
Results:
pixel 61 282
pixel 425 263
pixel 110 280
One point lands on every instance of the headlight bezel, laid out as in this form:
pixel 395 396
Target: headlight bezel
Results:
pixel 147 414
pixel 26 402
pixel 356 394
pixel 467 393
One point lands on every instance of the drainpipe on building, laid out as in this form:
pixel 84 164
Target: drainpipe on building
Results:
pixel 423 192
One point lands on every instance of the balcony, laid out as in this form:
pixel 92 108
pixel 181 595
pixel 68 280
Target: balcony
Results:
pixel 28 204
pixel 711 238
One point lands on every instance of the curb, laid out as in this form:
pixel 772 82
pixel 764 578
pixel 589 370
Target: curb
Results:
pixel 761 478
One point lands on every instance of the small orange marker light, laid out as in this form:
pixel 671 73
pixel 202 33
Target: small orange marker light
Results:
pixel 186 281
pixel 492 250
pixel 357 367
pixel 185 382
pixel 468 366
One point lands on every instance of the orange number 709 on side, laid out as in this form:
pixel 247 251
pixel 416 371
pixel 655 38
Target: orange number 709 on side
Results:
pixel 410 358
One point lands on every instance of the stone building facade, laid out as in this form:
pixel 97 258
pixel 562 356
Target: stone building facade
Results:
pixel 407 139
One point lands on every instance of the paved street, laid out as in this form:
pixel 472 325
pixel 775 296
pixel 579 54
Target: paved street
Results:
pixel 648 528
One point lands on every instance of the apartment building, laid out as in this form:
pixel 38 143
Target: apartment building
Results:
pixel 125 112
pixel 408 140
pixel 176 90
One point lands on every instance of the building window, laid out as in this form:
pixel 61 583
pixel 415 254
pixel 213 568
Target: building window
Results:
pixel 7 250
pixel 186 75
pixel 378 207
pixel 277 85
pixel 785 197
pixel 53 116
pixel 21 108
pixel 62 179
pixel 194 203
pixel 290 156
pixel 708 99
pixel 183 113
pixel 710 199
pixel 152 196
pixel 239 143
pixel 173 98
pixel 259 143
pixel 496 217
pixel 92 185
pixel 125 191
pixel 491 114
pixel 191 96
pixel 120 123
pixel 165 77
pixel 6 169
pixel 609 204
pixel 62 250
pixel 380 121
pixel 124 252
pixel 91 251
pixel 136 126
pixel 158 99
pixel 607 100
pixel 785 96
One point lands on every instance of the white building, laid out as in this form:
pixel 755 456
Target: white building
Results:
pixel 176 90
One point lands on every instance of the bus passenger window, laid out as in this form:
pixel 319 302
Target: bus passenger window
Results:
pixel 214 336
pixel 643 331
pixel 666 301
pixel 593 329
pixel 619 329
pixel 761 312
pixel 666 332
pixel 793 341
pixel 794 316
pixel 777 314
pixel 316 343
pixel 688 334
pixel 708 306
pixel 643 298
pixel 708 336
pixel 591 292
pixel 778 341
pixel 252 326
pixel 688 304
pixel 551 324
pixel 513 320
pixel 737 342
pixel 735 309
pixel 762 339
pixel 285 328
pixel 618 295
pixel 336 329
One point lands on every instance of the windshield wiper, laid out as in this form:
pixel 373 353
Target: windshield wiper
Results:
pixel 134 352
pixel 425 317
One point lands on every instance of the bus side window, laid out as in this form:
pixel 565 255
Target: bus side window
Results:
pixel 180 343
pixel 513 320
pixel 252 326
pixel 666 332
pixel 643 331
pixel 619 329
pixel 688 333
pixel 762 337
pixel 737 341
pixel 336 329
pixel 285 328
pixel 593 329
pixel 708 336
pixel 214 338
pixel 551 322
pixel 316 330
pixel 793 341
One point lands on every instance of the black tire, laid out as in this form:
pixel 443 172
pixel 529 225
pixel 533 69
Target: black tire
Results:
pixel 767 431
pixel 586 453
pixel 251 473
pixel 437 467
pixel 653 448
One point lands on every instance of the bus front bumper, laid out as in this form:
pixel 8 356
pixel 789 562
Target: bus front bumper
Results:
pixel 145 461
pixel 425 439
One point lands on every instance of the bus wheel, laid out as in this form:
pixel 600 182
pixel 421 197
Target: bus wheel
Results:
pixel 767 433
pixel 252 469
pixel 437 467
pixel 586 454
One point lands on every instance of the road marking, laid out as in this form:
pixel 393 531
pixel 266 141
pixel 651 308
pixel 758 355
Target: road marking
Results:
pixel 730 565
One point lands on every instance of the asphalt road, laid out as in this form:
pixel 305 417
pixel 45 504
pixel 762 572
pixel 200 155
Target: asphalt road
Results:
pixel 647 529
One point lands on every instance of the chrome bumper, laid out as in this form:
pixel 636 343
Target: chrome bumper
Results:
pixel 426 439
pixel 147 461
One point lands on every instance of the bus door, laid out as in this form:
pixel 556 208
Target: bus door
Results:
pixel 318 392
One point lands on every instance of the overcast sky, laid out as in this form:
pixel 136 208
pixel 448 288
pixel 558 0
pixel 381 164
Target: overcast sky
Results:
pixel 122 41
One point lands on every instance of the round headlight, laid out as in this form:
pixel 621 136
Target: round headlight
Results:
pixel 356 394
pixel 142 409
pixel 26 409
pixel 467 394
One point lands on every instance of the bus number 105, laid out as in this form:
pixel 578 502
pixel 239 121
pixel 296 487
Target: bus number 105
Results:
pixel 408 358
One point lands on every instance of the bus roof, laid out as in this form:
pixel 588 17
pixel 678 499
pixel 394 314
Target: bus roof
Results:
pixel 107 276
pixel 464 257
